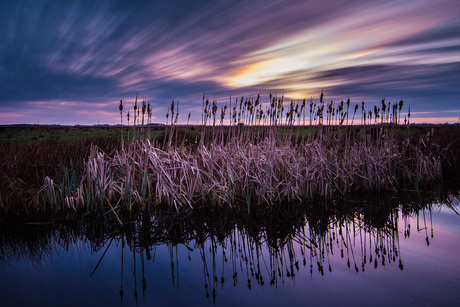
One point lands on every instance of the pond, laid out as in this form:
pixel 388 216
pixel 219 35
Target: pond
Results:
pixel 390 251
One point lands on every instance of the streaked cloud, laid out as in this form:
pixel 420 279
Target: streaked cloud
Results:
pixel 93 53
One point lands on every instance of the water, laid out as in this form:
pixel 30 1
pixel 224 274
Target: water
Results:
pixel 334 254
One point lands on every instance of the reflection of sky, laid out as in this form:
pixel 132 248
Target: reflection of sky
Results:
pixel 68 64
pixel 429 277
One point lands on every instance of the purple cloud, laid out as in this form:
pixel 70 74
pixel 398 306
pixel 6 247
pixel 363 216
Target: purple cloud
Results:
pixel 89 54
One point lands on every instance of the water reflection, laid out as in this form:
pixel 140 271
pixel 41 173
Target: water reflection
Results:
pixel 222 249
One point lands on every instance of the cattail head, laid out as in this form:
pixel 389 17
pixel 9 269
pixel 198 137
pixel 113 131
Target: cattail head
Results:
pixel 120 107
pixel 222 114
pixel 214 107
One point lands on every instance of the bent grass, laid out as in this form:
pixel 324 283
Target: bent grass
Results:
pixel 266 155
pixel 244 170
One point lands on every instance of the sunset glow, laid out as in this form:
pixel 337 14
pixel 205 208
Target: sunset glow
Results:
pixel 94 54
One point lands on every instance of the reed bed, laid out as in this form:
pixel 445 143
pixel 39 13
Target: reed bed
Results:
pixel 246 152
pixel 241 172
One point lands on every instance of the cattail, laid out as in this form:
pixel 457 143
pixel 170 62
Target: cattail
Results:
pixel 384 109
pixel 149 114
pixel 172 112
pixel 348 106
pixel 376 113
pixel 135 110
pixel 401 103
pixel 144 108
pixel 356 109
pixel 388 110
pixel 408 116
pixel 312 110
pixel 120 107
pixel 127 115
pixel 214 111
pixel 177 112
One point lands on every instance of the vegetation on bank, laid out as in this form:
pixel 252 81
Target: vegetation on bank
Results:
pixel 260 154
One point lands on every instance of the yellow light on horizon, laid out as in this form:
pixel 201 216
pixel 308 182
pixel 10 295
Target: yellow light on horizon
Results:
pixel 364 40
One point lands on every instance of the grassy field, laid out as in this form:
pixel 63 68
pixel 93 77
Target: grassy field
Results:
pixel 26 134
pixel 32 134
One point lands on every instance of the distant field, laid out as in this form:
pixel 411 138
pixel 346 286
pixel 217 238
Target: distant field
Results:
pixel 31 134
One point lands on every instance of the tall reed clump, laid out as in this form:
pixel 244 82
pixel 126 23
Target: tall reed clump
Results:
pixel 120 108
pixel 264 156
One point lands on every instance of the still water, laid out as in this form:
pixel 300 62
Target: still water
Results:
pixel 387 252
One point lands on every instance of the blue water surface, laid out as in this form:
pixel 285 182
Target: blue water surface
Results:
pixel 307 269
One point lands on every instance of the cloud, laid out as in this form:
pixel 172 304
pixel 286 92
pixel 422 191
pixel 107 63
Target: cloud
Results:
pixel 99 51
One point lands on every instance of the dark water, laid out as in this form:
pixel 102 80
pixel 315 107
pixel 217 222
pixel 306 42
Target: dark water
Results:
pixel 365 253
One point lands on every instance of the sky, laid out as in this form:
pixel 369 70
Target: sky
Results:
pixel 70 62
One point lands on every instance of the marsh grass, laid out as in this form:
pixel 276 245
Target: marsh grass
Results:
pixel 270 171
pixel 268 153
pixel 23 167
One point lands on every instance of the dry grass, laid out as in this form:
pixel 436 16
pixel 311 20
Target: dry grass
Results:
pixel 266 155
pixel 242 172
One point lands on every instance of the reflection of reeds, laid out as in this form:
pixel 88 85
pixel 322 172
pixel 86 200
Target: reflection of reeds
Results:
pixel 271 245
